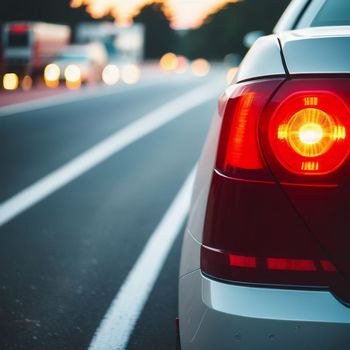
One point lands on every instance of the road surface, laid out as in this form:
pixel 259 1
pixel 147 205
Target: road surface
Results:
pixel 85 182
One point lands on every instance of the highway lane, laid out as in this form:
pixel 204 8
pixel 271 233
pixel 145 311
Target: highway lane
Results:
pixel 37 142
pixel 63 260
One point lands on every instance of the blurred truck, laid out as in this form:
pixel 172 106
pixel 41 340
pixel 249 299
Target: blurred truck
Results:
pixel 29 46
pixel 123 44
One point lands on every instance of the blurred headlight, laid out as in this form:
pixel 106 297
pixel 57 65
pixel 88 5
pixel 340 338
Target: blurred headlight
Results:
pixel 200 67
pixel 10 81
pixel 110 74
pixel 72 73
pixel 73 76
pixel 168 62
pixel 52 75
pixel 52 72
pixel 131 74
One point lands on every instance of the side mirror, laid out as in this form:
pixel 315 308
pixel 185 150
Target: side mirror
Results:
pixel 251 37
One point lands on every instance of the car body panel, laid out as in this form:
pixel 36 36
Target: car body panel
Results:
pixel 323 50
pixel 191 251
pixel 321 200
pixel 245 318
pixel 269 64
pixel 203 180
pixel 242 316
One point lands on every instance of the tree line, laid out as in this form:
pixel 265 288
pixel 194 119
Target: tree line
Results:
pixel 222 33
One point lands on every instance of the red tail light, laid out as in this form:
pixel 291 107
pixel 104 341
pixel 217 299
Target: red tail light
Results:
pixel 275 132
pixel 309 133
pixel 239 153
pixel 305 131
pixel 19 28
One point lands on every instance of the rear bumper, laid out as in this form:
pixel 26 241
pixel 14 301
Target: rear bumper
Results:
pixel 225 316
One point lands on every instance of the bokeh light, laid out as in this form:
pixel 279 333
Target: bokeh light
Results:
pixel 168 62
pixel 111 74
pixel 231 73
pixel 27 83
pixel 73 76
pixel 131 74
pixel 200 67
pixel 10 81
pixel 182 65
pixel 52 75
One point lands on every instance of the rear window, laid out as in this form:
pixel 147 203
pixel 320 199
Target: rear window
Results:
pixel 333 13
pixel 18 39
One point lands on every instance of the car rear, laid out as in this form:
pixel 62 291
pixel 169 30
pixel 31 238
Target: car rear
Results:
pixel 266 256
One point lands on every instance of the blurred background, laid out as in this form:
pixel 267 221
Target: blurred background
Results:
pixel 79 42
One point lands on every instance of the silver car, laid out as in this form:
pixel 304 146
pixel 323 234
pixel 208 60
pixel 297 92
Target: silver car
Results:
pixel 266 255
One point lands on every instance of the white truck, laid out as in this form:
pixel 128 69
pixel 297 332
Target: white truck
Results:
pixel 29 46
pixel 122 43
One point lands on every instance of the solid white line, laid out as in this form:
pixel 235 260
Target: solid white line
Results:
pixel 121 317
pixel 103 150
pixel 69 97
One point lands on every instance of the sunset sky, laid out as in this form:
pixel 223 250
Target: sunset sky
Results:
pixel 183 14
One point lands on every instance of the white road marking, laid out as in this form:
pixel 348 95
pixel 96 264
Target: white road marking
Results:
pixel 103 150
pixel 121 317
pixel 68 97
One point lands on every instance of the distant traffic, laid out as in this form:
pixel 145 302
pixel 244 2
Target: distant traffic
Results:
pixel 45 55
pixel 36 52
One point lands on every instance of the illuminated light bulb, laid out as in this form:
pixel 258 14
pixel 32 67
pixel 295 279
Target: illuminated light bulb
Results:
pixel 310 140
pixel 311 133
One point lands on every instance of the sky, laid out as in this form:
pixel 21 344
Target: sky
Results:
pixel 183 14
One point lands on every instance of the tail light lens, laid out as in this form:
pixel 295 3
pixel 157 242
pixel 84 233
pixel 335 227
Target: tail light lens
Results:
pixel 277 133
pixel 239 153
pixel 19 28
pixel 309 133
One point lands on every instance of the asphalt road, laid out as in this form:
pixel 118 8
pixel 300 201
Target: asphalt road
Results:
pixel 64 258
